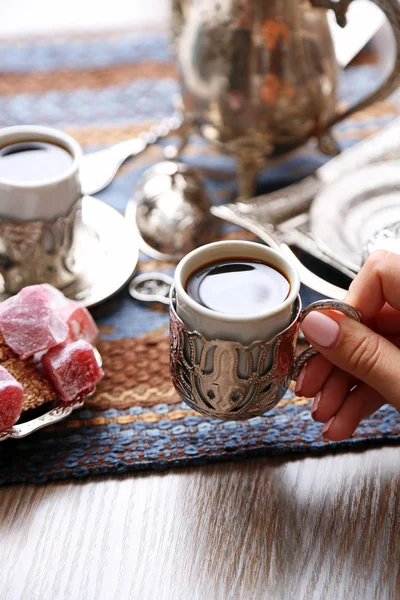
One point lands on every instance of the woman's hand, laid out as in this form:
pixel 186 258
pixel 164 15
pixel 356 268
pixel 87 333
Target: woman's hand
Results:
pixel 358 369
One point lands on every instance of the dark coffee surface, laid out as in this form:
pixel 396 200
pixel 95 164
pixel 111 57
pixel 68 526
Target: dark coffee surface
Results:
pixel 33 161
pixel 238 287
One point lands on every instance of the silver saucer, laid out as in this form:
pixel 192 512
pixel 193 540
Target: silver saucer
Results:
pixel 106 254
pixel 347 214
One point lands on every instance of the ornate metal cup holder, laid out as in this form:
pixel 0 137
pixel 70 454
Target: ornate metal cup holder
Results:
pixel 58 412
pixel 226 380
pixel 104 251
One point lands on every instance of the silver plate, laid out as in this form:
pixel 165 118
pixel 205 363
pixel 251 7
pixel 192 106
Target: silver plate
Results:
pixel 57 412
pixel 346 214
pixel 107 254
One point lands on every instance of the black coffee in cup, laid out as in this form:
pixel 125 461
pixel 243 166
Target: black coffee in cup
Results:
pixel 238 286
pixel 33 161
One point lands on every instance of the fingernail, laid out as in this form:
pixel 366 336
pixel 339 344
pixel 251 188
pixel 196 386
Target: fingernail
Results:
pixel 321 329
pixel 300 380
pixel 326 428
pixel 315 404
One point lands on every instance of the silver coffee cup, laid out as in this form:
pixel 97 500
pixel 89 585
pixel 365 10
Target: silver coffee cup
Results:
pixel 237 367
pixel 39 219
pixel 232 366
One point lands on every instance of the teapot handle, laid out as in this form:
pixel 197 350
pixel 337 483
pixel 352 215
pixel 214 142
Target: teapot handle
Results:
pixel 391 9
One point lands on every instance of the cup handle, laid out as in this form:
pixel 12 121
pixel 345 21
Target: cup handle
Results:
pixel 391 8
pixel 343 307
pixel 151 287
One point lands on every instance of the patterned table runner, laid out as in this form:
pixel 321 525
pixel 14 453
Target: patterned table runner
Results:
pixel 107 88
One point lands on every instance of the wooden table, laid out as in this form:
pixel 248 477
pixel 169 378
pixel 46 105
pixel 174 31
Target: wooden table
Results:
pixel 313 528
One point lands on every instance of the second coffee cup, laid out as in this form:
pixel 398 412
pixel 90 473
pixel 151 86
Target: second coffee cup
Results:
pixel 40 208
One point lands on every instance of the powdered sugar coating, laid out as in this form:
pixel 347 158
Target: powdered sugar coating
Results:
pixel 29 324
pixel 80 322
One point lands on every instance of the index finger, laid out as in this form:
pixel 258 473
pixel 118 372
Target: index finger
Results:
pixel 377 283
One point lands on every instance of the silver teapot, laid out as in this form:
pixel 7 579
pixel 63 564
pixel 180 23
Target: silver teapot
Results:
pixel 259 77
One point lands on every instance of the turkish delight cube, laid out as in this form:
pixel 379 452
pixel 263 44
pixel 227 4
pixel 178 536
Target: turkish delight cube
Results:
pixel 29 324
pixel 78 319
pixel 72 369
pixel 11 397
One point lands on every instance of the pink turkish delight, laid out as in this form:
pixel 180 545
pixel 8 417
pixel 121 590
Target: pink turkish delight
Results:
pixel 29 324
pixel 80 322
pixel 72 369
pixel 55 296
pixel 11 395
pixel 78 319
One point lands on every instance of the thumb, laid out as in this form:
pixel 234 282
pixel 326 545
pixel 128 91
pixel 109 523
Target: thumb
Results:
pixel 356 349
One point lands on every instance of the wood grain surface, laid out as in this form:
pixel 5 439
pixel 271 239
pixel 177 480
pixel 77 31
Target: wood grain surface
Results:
pixel 314 528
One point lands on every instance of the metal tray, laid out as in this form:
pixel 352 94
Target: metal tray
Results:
pixel 56 413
